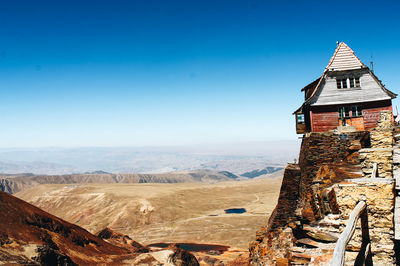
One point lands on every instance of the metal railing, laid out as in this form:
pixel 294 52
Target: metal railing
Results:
pixel 364 256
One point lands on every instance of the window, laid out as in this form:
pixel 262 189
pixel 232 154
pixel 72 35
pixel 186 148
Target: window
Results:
pixel 341 83
pixel 300 118
pixel 344 83
pixel 354 82
pixel 344 112
pixel 347 112
pixel 356 111
pixel 357 82
pixel 350 111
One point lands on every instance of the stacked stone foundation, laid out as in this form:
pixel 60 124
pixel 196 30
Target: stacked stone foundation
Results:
pixel 317 196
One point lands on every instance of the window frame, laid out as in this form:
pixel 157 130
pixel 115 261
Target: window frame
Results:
pixel 349 82
pixel 302 120
pixel 350 111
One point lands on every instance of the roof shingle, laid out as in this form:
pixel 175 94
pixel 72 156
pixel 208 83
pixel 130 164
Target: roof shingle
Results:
pixel 344 59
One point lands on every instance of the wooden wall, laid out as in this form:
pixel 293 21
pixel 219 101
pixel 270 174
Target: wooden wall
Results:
pixel 329 94
pixel 322 122
pixel 326 118
pixel 371 116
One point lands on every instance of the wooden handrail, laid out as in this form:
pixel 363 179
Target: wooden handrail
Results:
pixel 374 170
pixel 338 258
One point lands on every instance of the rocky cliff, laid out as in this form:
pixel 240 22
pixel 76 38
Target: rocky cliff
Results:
pixel 318 194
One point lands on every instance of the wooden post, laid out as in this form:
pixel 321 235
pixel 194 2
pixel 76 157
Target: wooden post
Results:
pixel 374 170
pixel 339 253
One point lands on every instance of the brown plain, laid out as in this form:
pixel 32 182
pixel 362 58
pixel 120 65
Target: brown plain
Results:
pixel 151 213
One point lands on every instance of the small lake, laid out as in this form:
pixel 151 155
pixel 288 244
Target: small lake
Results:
pixel 235 210
pixel 193 246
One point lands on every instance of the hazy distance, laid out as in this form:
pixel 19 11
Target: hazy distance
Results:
pixel 237 158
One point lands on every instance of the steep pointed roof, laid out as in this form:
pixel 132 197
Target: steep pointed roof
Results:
pixel 344 59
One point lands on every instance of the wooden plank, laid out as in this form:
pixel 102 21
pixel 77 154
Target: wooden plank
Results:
pixel 370 90
pixel 325 121
pixel 347 234
pixel 368 255
pixel 374 170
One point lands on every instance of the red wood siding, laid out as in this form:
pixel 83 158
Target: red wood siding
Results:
pixel 326 118
pixel 371 116
pixel 322 122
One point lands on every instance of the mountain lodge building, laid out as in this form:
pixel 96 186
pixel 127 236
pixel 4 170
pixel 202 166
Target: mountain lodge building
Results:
pixel 347 94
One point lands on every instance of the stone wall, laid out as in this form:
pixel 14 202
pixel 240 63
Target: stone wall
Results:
pixel 284 214
pixel 326 159
pixel 379 195
pixel 381 150
pixel 318 194
pixel 307 196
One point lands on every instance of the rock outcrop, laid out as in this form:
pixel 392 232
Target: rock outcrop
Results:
pixel 7 185
pixel 307 197
pixel 120 239
pixel 317 195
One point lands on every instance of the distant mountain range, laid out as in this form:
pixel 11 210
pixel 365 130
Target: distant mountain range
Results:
pixel 13 184
pixel 259 172
pixel 16 183
pixel 60 161
pixel 22 168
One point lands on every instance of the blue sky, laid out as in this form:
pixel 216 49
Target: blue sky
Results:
pixel 140 73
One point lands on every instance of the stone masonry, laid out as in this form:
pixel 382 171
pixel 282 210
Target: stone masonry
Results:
pixel 381 150
pixel 318 194
pixel 307 197
pixel 379 194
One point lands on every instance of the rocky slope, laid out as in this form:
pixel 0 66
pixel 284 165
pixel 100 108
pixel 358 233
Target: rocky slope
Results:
pixel 31 236
pixel 13 184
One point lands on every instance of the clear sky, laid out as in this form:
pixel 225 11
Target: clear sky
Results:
pixel 144 72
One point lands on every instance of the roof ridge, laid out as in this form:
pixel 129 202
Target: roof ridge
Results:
pixel 348 61
pixel 330 63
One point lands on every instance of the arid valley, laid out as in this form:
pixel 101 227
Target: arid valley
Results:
pixel 165 213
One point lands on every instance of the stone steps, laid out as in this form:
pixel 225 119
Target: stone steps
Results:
pixel 310 243
pixel 321 234
pixel 318 242
pixel 301 255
